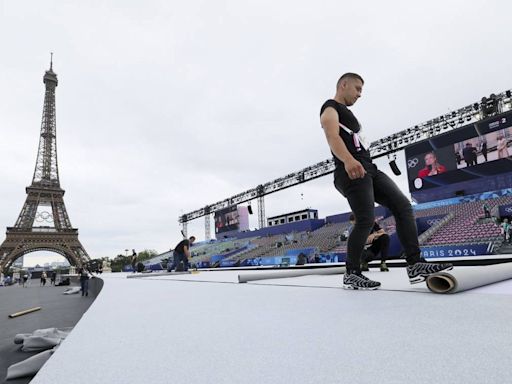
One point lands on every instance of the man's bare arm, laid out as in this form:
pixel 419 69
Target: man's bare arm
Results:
pixel 330 124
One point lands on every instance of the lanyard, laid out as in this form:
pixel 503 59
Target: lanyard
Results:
pixel 355 137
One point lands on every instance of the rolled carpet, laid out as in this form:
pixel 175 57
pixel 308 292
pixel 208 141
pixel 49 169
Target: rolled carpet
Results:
pixel 463 278
pixel 265 275
pixel 28 367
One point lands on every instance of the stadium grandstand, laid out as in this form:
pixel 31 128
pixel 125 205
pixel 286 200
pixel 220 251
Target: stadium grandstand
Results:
pixel 448 206
pixel 454 227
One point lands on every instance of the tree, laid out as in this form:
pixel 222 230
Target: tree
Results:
pixel 146 254
pixel 119 262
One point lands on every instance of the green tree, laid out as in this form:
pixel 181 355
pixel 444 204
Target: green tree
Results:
pixel 118 263
pixel 146 254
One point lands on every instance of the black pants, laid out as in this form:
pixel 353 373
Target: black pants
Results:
pixel 379 246
pixel 180 263
pixel 362 194
pixel 84 283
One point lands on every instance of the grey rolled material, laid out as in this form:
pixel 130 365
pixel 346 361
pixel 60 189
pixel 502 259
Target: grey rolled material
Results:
pixel 39 343
pixel 154 274
pixel 464 278
pixel 60 333
pixel 28 367
pixel 72 291
pixel 264 275
pixel 41 339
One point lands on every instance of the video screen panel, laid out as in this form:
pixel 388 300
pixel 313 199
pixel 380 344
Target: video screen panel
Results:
pixel 468 153
pixel 227 220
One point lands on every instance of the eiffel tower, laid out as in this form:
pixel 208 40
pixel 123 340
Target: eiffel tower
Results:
pixel 44 203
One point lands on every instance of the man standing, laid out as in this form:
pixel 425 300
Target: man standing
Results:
pixel 487 211
pixel 359 180
pixel 181 255
pixel 484 149
pixel 134 261
pixel 84 281
pixel 505 228
pixel 469 154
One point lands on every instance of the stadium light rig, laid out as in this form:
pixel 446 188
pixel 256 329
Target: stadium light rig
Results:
pixel 387 146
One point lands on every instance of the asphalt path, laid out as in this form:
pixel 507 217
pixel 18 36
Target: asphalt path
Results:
pixel 57 310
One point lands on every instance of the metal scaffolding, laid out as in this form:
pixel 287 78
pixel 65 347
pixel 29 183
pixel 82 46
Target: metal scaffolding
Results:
pixel 487 107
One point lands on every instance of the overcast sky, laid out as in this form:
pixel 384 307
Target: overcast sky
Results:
pixel 164 106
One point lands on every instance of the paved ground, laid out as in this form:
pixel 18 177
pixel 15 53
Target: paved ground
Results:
pixel 58 310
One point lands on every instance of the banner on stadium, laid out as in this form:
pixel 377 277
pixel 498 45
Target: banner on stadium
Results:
pixel 424 223
pixel 506 210
pixel 457 250
pixel 227 263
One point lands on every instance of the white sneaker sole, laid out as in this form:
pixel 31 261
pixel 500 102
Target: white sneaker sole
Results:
pixel 350 286
pixel 423 277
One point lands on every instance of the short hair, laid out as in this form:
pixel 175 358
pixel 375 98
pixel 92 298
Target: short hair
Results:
pixel 352 217
pixel 349 76
pixel 192 238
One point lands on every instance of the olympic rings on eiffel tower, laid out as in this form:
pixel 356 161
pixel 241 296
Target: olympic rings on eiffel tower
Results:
pixel 44 216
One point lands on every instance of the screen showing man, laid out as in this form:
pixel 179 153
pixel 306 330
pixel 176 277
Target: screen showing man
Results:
pixel 469 154
pixel 489 147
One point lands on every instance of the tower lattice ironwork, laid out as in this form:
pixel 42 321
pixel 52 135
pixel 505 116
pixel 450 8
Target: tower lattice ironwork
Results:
pixel 43 223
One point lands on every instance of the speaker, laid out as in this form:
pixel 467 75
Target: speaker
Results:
pixel 249 208
pixel 394 168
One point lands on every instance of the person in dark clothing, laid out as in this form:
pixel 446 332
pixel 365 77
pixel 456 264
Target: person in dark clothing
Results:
pixel 487 211
pixel 358 179
pixel 301 259
pixel 377 243
pixel 469 155
pixel 458 158
pixel 181 255
pixel 84 281
pixel 53 277
pixel 484 150
pixel 134 261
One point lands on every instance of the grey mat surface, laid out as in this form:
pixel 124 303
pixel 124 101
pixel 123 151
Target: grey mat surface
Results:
pixel 58 310
pixel 255 333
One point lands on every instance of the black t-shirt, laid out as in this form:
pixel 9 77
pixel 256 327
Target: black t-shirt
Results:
pixel 180 248
pixel 347 118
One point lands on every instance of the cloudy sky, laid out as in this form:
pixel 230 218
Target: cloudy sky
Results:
pixel 166 106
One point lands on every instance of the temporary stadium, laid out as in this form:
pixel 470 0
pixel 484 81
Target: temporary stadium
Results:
pixel 245 312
